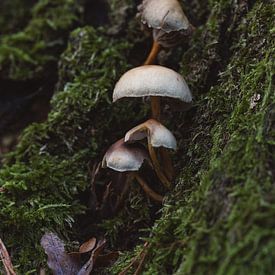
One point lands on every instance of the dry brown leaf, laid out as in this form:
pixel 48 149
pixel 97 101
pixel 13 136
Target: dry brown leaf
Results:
pixel 63 263
pixel 88 246
pixel 88 267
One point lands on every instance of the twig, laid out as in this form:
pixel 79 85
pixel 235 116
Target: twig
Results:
pixel 5 258
pixel 141 263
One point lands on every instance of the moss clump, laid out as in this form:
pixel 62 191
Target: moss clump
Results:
pixel 14 15
pixel 45 175
pixel 220 217
pixel 33 52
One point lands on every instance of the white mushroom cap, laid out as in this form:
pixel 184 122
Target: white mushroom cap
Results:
pixel 166 15
pixel 124 157
pixel 152 80
pixel 157 134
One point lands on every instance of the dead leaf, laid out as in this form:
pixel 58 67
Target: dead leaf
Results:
pixel 63 263
pixel 88 267
pixel 5 258
pixel 59 261
pixel 88 246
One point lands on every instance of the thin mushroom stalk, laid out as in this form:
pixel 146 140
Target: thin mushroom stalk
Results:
pixel 153 54
pixel 144 185
pixel 156 114
pixel 167 163
pixel 157 167
pixel 150 192
pixel 155 106
pixel 164 154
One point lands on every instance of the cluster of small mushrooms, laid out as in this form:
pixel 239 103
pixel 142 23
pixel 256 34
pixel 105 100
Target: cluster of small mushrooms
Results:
pixel 169 25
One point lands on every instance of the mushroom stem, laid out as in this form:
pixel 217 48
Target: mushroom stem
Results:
pixel 157 167
pixel 151 193
pixel 153 54
pixel 167 163
pixel 164 154
pixel 155 105
pixel 124 191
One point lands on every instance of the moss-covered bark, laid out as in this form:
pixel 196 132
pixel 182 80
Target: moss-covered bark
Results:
pixel 222 220
pixel 219 218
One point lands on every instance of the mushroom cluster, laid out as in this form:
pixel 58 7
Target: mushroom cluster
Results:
pixel 161 84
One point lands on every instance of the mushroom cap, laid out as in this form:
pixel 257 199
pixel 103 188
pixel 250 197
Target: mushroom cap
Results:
pixel 124 157
pixel 152 80
pixel 157 134
pixel 166 15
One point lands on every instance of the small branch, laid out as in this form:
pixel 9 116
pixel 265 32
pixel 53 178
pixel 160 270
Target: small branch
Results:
pixel 142 260
pixel 5 258
pixel 135 260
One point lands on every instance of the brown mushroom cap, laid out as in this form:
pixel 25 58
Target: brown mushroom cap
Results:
pixel 152 80
pixel 157 134
pixel 124 157
pixel 166 15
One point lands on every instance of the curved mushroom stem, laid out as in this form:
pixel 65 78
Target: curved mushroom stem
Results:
pixel 167 163
pixel 164 154
pixel 157 167
pixel 151 193
pixel 124 191
pixel 153 54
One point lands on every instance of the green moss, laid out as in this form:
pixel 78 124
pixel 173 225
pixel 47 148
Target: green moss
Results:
pixel 222 220
pixel 48 170
pixel 219 218
pixel 32 53
pixel 14 15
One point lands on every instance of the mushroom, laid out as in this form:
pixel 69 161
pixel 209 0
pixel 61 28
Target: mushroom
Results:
pixel 168 22
pixel 154 81
pixel 157 136
pixel 128 158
